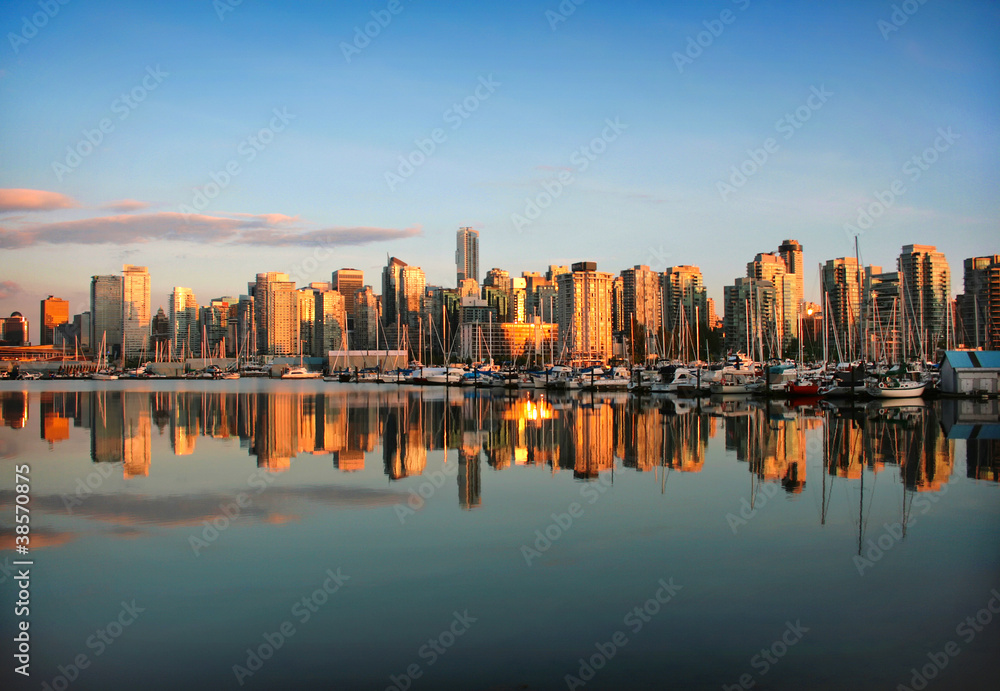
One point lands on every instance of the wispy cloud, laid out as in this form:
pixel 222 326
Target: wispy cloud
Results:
pixel 8 289
pixel 124 206
pixel 128 229
pixel 33 200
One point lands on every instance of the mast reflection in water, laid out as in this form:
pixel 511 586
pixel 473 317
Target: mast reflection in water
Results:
pixel 366 479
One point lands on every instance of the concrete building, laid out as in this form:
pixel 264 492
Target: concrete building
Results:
pixel 53 312
pixel 348 282
pixel 979 304
pixel 277 313
pixel 841 286
pixel 684 300
pixel 467 255
pixel 366 320
pixel 185 333
pixel 642 309
pixel 750 317
pixel 106 313
pixel 584 313
pixel 925 290
pixel 137 313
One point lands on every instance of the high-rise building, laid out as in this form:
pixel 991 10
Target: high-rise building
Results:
pixel 584 312
pixel 467 254
pixel 842 286
pixel 642 308
pixel 771 267
pixel 54 311
pixel 880 305
pixel 14 330
pixel 348 282
pixel 979 304
pixel 412 284
pixel 136 311
pixel 185 333
pixel 791 253
pixel 684 299
pixel 106 314
pixel 390 289
pixel 218 326
pixel 330 330
pixel 925 288
pixel 277 314
pixel 366 318
pixel 159 332
pixel 749 319
pixel 307 317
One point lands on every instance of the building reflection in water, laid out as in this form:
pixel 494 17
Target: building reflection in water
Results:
pixel 585 435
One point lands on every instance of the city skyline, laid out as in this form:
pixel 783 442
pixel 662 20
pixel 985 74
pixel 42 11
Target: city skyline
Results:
pixel 646 143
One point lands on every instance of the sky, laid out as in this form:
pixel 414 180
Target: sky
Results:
pixel 211 141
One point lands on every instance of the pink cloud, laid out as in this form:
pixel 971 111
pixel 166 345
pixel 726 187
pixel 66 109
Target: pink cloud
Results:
pixel 262 230
pixel 8 289
pixel 33 200
pixel 126 205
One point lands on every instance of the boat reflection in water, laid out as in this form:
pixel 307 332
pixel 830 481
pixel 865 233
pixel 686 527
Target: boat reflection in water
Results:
pixel 546 517
pixel 583 434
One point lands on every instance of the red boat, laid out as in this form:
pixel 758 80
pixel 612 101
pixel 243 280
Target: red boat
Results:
pixel 802 388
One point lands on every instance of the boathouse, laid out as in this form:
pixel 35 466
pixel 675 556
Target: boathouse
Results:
pixel 970 372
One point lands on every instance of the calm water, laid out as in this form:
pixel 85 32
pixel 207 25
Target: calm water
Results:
pixel 302 535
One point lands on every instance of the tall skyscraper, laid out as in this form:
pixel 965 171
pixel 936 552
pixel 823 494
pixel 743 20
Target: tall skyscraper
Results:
pixel 584 309
pixel 409 299
pixel 366 328
pixel 925 287
pixel 348 282
pixel 749 317
pixel 467 254
pixel 979 304
pixel 106 314
pixel 390 288
pixel 791 253
pixel 136 312
pixel 277 313
pixel 330 330
pixel 842 285
pixel 14 330
pixel 683 291
pixel 54 311
pixel 185 334
pixel 772 267
pixel 642 308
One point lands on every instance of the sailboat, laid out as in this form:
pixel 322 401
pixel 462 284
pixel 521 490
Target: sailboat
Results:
pixel 103 373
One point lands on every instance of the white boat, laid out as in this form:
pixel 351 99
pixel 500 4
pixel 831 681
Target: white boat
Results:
pixel 451 376
pixel 103 375
pixel 893 388
pixel 300 373
pixel 732 383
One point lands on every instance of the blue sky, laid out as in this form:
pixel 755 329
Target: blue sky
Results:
pixel 649 192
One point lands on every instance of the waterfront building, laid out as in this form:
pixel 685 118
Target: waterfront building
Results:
pixel 277 314
pixel 53 312
pixel 925 291
pixel 136 311
pixel 584 313
pixel 106 313
pixel 185 333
